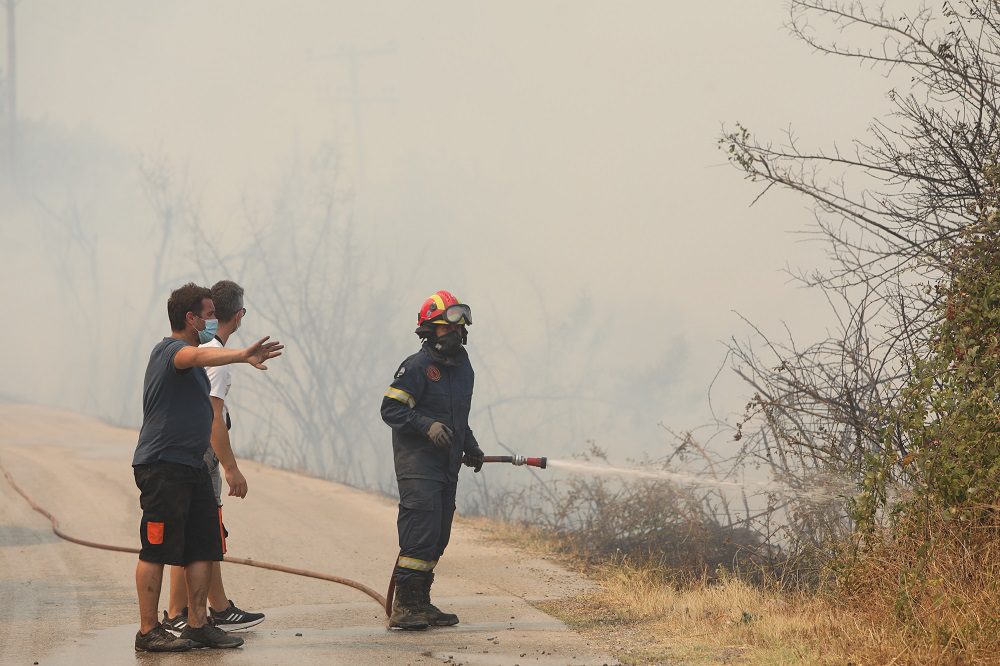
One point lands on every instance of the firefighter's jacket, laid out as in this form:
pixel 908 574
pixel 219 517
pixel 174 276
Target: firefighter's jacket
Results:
pixel 429 387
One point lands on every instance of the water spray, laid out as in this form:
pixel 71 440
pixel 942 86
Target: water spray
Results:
pixel 822 489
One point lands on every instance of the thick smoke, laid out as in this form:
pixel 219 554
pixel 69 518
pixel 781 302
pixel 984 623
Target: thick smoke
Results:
pixel 551 163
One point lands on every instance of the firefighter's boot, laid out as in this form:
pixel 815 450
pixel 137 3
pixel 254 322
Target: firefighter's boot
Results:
pixel 407 612
pixel 435 617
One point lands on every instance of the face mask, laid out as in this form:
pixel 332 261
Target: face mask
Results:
pixel 208 333
pixel 448 343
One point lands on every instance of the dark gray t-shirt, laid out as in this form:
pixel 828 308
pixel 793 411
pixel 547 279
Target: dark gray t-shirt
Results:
pixel 176 410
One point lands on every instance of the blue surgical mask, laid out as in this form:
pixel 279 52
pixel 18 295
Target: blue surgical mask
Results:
pixel 211 328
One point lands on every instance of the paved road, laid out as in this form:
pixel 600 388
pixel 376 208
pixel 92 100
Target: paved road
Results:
pixel 65 604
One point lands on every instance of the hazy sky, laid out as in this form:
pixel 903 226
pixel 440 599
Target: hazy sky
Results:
pixel 529 156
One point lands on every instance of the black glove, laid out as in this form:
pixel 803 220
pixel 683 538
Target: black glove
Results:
pixel 474 458
pixel 440 435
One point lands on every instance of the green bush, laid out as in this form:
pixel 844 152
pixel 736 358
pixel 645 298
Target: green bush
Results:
pixel 948 410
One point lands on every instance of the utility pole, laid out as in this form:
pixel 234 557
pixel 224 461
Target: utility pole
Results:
pixel 11 88
pixel 353 57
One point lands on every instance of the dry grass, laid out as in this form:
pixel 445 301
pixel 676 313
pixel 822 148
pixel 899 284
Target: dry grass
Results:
pixel 643 617
pixel 936 585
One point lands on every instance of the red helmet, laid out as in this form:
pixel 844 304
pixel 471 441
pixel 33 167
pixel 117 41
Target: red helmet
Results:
pixel 443 308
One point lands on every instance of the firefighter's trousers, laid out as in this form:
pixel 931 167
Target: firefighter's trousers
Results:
pixel 426 509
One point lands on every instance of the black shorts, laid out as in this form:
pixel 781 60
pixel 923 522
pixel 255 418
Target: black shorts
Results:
pixel 181 522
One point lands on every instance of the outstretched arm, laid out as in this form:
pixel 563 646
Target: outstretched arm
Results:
pixel 204 357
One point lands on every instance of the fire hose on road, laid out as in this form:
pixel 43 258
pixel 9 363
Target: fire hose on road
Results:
pixel 378 598
pixel 384 602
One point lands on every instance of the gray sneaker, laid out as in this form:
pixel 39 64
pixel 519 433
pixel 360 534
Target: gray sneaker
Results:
pixel 159 639
pixel 210 636
pixel 175 625
pixel 234 618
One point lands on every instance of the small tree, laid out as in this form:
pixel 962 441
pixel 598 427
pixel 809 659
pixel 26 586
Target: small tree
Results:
pixel 893 212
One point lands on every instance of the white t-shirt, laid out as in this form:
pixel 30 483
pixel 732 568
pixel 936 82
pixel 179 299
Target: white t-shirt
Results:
pixel 221 378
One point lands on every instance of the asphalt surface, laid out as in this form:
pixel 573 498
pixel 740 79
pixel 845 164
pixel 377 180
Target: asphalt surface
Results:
pixel 61 603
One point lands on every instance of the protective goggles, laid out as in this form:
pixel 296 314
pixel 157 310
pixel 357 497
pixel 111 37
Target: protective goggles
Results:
pixel 456 314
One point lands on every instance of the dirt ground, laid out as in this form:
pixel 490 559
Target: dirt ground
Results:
pixel 61 603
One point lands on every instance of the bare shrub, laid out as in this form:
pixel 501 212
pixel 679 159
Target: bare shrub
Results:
pixel 648 521
pixel 681 531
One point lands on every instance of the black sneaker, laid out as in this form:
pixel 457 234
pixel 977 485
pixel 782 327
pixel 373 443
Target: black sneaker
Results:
pixel 160 640
pixel 175 625
pixel 234 619
pixel 209 636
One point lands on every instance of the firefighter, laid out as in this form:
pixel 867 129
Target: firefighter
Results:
pixel 427 406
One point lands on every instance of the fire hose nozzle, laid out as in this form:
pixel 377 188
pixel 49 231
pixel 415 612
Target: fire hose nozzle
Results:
pixel 530 462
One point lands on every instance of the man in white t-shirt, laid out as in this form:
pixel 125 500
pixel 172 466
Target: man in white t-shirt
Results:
pixel 229 311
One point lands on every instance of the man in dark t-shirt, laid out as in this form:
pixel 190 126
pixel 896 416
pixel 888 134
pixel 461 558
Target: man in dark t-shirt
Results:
pixel 176 411
pixel 180 522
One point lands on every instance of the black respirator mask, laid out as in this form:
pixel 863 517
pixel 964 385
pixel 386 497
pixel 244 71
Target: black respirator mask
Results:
pixel 449 343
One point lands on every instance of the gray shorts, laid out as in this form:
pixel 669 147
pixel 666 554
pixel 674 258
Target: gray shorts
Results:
pixel 214 471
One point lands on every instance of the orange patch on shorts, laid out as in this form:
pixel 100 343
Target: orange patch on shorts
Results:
pixel 154 533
